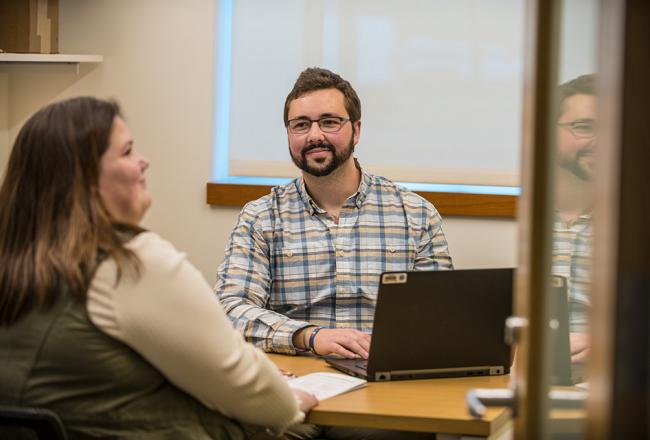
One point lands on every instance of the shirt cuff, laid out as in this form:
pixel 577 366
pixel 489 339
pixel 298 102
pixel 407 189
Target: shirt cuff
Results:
pixel 282 339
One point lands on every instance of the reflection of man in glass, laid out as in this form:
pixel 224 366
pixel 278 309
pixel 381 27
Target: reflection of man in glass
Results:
pixel 572 228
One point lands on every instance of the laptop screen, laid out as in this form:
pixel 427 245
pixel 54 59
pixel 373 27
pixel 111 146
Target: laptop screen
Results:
pixel 442 319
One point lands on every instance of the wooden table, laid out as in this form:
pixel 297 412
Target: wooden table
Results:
pixel 431 405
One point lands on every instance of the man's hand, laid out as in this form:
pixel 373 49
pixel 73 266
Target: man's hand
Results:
pixel 347 343
pixel 580 346
pixel 344 342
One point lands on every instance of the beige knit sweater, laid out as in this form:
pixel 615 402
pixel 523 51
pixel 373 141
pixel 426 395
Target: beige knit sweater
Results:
pixel 170 316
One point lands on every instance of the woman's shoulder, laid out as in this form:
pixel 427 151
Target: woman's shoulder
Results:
pixel 148 240
pixel 154 251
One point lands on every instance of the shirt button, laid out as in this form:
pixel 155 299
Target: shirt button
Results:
pixel 289 254
pixel 391 250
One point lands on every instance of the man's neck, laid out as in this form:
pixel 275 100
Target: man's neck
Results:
pixel 330 192
pixel 573 197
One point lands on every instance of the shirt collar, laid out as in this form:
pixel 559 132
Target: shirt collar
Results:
pixel 364 187
pixel 311 206
pixel 581 222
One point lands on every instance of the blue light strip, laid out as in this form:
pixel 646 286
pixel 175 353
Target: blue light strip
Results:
pixel 423 187
pixel 253 180
pixel 221 87
pixel 464 189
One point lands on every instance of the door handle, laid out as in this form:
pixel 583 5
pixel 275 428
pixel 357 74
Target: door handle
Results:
pixel 514 325
pixel 479 399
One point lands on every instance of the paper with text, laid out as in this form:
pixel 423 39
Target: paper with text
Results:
pixel 326 385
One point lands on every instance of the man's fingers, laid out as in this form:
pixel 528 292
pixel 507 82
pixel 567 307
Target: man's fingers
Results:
pixel 364 342
pixel 348 343
pixel 356 342
pixel 356 347
pixel 342 351
pixel 363 339
pixel 581 356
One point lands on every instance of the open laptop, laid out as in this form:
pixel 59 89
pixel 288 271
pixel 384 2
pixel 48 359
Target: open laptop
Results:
pixel 438 324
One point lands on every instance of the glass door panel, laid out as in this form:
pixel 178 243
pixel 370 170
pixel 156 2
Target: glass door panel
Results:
pixel 571 142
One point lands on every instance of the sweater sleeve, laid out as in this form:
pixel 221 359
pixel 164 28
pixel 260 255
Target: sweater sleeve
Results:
pixel 170 316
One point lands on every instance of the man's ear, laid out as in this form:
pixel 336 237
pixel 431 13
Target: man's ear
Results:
pixel 356 128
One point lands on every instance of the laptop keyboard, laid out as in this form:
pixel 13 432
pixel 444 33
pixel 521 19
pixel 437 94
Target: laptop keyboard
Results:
pixel 362 364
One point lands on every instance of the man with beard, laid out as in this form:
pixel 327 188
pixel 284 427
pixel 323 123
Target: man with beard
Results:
pixel 302 267
pixel 572 228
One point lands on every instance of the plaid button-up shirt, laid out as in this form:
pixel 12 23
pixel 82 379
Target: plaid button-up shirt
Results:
pixel 289 265
pixel 572 248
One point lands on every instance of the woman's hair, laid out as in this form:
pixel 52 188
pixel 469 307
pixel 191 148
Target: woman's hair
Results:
pixel 53 224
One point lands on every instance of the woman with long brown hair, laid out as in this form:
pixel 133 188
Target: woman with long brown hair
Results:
pixel 103 322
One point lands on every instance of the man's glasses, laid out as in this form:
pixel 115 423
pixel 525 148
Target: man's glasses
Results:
pixel 327 124
pixel 580 128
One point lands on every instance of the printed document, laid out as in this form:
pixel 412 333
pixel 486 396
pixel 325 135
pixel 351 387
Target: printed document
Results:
pixel 325 385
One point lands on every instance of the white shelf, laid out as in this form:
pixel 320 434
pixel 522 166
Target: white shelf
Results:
pixel 49 58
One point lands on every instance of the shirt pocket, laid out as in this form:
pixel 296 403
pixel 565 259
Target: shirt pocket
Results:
pixel 301 274
pixel 389 255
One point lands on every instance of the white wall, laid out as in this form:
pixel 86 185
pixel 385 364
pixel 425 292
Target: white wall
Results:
pixel 158 63
pixel 578 39
pixel 426 71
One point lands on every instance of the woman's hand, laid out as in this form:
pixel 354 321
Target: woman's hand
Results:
pixel 306 401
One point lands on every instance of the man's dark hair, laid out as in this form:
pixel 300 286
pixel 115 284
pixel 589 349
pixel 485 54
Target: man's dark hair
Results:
pixel 582 85
pixel 316 78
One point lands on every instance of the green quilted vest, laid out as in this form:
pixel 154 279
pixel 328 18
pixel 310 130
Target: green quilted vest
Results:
pixel 100 388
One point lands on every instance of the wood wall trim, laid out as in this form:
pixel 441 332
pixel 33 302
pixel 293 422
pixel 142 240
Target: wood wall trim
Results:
pixel 454 204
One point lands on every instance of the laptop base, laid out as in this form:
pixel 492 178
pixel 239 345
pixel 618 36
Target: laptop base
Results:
pixel 356 368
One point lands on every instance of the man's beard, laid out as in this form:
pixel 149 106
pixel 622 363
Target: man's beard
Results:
pixel 336 161
pixel 575 167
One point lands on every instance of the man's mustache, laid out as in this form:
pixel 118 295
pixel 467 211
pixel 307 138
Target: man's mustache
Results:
pixel 310 147
pixel 584 152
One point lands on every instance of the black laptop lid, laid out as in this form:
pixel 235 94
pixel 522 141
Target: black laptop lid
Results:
pixel 560 349
pixel 441 319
